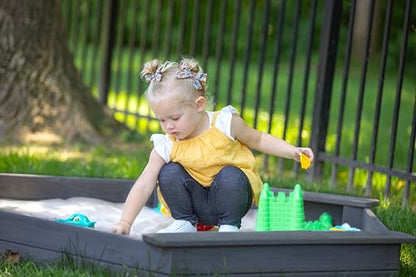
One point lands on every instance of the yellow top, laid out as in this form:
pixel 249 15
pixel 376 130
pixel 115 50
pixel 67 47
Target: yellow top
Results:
pixel 205 155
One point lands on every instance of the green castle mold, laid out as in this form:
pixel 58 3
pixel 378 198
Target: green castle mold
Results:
pixel 286 213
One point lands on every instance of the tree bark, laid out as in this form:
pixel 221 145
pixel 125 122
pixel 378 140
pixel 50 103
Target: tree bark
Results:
pixel 40 87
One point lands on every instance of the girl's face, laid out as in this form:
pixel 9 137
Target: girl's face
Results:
pixel 181 120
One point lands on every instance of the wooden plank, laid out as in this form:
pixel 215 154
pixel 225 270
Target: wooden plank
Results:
pixel 372 223
pixel 34 253
pixel 42 255
pixel 35 187
pixel 353 216
pixel 313 210
pixel 215 239
pixel 340 200
pixel 285 258
pixel 51 238
pixel 38 187
pixel 307 274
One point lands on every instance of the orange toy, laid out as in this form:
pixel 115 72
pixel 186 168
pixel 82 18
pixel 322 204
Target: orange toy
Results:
pixel 305 161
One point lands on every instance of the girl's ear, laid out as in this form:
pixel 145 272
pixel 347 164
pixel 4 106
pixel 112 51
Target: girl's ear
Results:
pixel 200 103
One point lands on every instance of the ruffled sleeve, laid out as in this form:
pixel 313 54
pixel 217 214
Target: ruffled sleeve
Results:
pixel 163 146
pixel 223 121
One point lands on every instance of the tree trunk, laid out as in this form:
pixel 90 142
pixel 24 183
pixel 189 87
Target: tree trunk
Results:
pixel 40 87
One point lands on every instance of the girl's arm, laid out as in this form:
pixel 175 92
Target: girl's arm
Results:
pixel 139 193
pixel 265 142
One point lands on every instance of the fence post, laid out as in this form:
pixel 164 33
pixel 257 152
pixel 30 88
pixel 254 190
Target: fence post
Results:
pixel 325 75
pixel 107 45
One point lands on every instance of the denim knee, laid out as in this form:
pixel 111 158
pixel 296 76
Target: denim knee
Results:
pixel 233 173
pixel 232 195
pixel 234 177
pixel 176 187
pixel 170 171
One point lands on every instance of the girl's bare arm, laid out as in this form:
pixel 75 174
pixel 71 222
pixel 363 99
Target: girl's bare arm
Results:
pixel 139 193
pixel 265 142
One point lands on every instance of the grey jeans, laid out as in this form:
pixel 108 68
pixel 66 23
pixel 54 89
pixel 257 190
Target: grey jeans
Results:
pixel 226 201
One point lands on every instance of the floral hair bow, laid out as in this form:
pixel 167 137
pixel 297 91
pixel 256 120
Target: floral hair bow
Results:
pixel 157 76
pixel 186 73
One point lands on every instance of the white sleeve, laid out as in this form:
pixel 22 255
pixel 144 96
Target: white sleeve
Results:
pixel 223 121
pixel 163 146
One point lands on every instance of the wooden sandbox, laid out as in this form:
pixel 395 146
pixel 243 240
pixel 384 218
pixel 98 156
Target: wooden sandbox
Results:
pixel 372 252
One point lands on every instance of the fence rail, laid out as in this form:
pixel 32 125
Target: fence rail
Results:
pixel 335 75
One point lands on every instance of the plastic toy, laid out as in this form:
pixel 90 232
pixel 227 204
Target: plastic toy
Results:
pixel 286 213
pixel 158 208
pixel 205 228
pixel 77 220
pixel 305 161
pixel 344 227
pixel 199 227
pixel 323 223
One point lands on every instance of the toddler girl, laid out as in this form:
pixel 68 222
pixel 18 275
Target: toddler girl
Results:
pixel 203 166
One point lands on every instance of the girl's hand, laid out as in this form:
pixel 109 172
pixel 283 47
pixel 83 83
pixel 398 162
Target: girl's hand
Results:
pixel 121 228
pixel 303 150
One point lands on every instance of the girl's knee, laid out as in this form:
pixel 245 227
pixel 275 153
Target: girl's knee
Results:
pixel 170 171
pixel 230 170
pixel 232 175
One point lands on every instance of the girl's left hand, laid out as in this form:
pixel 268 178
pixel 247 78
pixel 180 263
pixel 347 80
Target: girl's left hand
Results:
pixel 303 150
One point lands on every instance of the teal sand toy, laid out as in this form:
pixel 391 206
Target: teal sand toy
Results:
pixel 77 220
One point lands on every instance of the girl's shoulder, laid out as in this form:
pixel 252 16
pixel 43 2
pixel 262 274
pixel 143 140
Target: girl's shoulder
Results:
pixel 225 113
pixel 223 120
pixel 163 145
pixel 228 110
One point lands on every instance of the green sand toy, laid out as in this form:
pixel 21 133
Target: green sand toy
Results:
pixel 286 213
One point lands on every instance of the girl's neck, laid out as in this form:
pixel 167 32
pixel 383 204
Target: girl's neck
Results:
pixel 202 126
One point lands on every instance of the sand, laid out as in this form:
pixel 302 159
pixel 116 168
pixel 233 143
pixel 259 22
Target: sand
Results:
pixel 104 213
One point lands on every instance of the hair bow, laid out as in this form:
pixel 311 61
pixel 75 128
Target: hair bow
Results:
pixel 186 73
pixel 157 76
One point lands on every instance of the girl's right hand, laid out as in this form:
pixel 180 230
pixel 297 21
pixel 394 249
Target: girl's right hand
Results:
pixel 121 228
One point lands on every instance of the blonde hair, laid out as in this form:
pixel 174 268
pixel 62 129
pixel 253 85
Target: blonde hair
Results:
pixel 162 79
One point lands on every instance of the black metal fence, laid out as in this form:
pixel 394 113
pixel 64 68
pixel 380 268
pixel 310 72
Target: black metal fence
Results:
pixel 335 75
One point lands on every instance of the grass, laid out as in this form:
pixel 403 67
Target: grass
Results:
pixel 125 160
pixel 101 161
pixel 63 268
pixel 402 220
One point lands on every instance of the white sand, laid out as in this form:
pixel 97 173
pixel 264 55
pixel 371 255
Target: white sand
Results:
pixel 104 213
